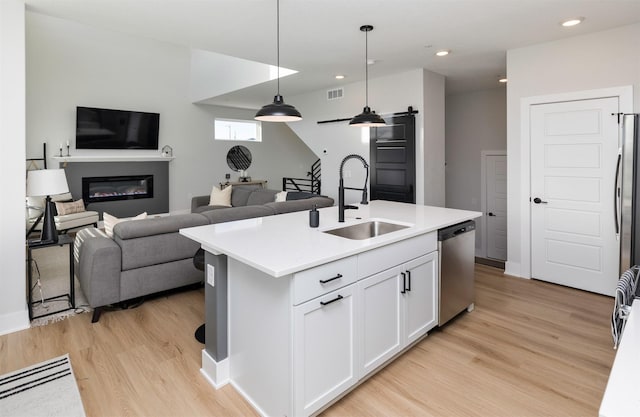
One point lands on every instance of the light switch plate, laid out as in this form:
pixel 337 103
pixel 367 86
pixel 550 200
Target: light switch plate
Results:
pixel 211 275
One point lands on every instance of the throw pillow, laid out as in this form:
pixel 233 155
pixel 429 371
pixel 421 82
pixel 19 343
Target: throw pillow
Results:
pixel 281 196
pixel 221 197
pixel 110 221
pixel 70 208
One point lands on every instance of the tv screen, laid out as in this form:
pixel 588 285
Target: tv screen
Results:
pixel 116 129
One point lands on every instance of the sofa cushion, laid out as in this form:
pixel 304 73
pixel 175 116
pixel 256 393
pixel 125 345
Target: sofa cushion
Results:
pixel 202 209
pixel 241 194
pixel 156 240
pixel 158 225
pixel 262 196
pixel 237 213
pixel 299 205
pixel 300 195
pixel 152 279
pixel 71 221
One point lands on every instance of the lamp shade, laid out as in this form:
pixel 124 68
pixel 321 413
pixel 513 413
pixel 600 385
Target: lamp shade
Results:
pixel 43 182
pixel 367 119
pixel 278 111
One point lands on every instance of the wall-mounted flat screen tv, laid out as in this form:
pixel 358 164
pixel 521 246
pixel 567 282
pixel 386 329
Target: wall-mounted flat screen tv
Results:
pixel 116 129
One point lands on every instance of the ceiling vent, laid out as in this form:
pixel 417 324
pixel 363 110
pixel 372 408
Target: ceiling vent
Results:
pixel 335 94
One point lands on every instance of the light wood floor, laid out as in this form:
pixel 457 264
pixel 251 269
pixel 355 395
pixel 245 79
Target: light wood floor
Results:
pixel 529 349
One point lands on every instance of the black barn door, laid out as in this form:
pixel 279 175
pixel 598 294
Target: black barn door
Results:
pixel 393 160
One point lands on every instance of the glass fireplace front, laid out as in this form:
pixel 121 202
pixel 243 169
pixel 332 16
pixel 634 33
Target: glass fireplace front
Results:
pixel 95 189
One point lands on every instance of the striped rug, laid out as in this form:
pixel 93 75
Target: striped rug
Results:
pixel 45 389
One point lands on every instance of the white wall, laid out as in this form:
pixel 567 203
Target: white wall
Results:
pixel 433 137
pixel 389 94
pixel 13 307
pixel 600 60
pixel 476 122
pixel 70 64
pixel 214 74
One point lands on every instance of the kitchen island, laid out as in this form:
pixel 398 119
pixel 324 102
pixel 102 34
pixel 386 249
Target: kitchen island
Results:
pixel 296 316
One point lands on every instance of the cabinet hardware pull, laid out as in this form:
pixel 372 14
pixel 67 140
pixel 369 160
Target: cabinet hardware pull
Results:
pixel 404 283
pixel 338 298
pixel 324 281
pixel 409 280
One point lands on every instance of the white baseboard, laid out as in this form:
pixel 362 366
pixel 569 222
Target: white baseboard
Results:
pixel 513 269
pixel 14 322
pixel 217 373
pixel 249 399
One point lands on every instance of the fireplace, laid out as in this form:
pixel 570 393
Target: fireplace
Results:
pixel 129 187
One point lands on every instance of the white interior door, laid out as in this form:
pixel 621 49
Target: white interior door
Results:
pixel 496 198
pixel 574 147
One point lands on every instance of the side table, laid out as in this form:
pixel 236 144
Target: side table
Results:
pixel 70 296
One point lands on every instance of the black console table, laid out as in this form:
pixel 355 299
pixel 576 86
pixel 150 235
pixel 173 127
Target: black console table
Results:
pixel 70 296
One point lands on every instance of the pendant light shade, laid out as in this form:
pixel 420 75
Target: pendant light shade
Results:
pixel 278 111
pixel 367 118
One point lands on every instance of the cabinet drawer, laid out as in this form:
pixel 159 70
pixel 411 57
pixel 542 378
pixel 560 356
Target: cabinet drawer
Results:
pixel 314 282
pixel 386 257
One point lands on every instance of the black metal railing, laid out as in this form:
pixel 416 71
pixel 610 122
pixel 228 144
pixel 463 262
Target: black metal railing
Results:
pixel 311 184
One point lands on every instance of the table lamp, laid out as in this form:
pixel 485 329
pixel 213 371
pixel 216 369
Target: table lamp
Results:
pixel 47 182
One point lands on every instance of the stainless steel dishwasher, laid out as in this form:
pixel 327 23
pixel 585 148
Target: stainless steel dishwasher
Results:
pixel 456 251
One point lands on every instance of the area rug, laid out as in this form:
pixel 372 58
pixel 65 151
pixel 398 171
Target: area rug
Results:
pixel 51 266
pixel 45 389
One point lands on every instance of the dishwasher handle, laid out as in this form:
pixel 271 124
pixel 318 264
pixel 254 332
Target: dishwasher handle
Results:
pixel 459 231
pixel 456 230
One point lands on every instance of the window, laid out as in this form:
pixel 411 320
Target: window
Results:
pixel 242 130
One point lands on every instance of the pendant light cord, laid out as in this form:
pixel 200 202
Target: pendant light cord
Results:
pixel 366 67
pixel 278 41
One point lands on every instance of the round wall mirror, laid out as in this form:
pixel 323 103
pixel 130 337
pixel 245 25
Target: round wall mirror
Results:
pixel 239 158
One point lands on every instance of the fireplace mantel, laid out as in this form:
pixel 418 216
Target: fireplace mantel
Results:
pixel 112 158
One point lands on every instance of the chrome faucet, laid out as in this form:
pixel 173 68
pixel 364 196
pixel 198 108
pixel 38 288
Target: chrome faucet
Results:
pixel 341 187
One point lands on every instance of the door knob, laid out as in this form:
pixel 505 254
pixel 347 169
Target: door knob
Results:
pixel 538 201
pixel 492 215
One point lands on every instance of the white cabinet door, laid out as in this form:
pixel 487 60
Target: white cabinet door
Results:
pixel 419 296
pixel 380 318
pixel 324 349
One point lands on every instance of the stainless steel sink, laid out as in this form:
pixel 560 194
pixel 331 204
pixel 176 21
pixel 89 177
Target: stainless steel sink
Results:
pixel 366 230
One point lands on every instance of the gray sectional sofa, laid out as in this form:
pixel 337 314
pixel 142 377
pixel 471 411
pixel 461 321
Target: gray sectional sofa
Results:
pixel 148 256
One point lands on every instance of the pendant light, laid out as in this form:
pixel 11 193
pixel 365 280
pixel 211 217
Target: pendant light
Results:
pixel 367 118
pixel 278 111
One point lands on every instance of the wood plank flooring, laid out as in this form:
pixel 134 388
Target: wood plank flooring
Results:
pixel 529 349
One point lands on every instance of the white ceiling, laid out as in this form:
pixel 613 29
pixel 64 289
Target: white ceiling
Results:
pixel 321 38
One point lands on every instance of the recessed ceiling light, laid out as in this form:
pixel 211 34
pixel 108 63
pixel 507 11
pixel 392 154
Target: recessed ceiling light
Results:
pixel 443 52
pixel 502 79
pixel 339 77
pixel 572 22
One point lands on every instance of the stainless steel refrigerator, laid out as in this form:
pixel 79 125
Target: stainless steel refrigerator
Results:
pixel 627 192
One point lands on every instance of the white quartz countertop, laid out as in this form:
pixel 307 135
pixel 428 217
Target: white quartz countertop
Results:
pixel 622 396
pixel 285 244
